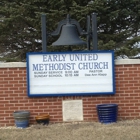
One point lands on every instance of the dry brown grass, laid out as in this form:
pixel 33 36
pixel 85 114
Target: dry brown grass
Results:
pixel 122 130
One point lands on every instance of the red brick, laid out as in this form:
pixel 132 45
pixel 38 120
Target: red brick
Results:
pixel 9 105
pixel 4 101
pixel 18 78
pixel 4 89
pixel 56 104
pixel 38 110
pixel 33 107
pixel 37 104
pixel 57 110
pixel 14 96
pixel 135 114
pixel 29 104
pixel 134 101
pixel 14 108
pixel 123 69
pixel 137 110
pixel 23 108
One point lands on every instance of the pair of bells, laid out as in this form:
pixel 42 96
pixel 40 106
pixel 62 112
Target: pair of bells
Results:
pixel 69 35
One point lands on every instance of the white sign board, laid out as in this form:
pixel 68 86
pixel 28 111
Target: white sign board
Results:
pixel 75 73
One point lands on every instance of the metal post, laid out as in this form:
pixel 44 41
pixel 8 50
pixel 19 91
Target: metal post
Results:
pixel 94 31
pixel 44 33
pixel 88 32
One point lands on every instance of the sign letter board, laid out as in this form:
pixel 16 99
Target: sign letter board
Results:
pixel 70 73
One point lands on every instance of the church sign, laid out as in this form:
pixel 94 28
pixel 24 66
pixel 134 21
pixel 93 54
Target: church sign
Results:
pixel 70 73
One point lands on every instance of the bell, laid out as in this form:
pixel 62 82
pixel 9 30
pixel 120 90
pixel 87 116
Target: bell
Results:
pixel 69 36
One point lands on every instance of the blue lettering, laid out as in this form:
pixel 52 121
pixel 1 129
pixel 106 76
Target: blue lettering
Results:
pixel 90 57
pixel 73 64
pixel 96 65
pixel 49 58
pixel 79 66
pixel 95 56
pixel 90 65
pixel 105 65
pixel 83 57
pixel 77 57
pixel 40 67
pixel 54 57
pixel 46 66
pixel 63 56
pixel 56 66
pixel 68 67
pixel 85 66
pixel 35 67
pixel 60 66
pixel 51 67
pixel 44 58
pixel 101 66
pixel 71 58
pixel 93 65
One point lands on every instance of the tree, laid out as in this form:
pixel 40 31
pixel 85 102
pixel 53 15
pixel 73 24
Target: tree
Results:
pixel 20 24
pixel 122 26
